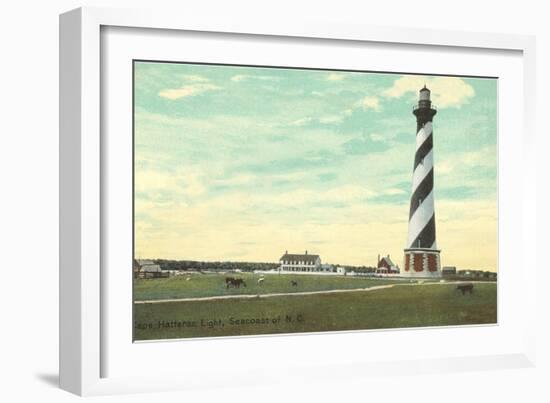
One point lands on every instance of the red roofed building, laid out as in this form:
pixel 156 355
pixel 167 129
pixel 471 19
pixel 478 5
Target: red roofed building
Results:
pixel 386 266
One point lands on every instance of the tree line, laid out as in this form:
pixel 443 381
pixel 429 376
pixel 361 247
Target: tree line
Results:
pixel 184 265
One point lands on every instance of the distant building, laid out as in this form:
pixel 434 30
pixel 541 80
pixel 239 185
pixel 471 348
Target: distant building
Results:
pixel 327 268
pixel 137 268
pixel 386 266
pixel 148 266
pixel 291 262
pixel 148 269
pixel 448 271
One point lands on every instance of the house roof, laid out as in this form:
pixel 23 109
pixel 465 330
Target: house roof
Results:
pixel 145 262
pixel 151 268
pixel 388 261
pixel 148 265
pixel 299 258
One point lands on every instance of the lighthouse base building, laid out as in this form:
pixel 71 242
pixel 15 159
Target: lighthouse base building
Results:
pixel 422 263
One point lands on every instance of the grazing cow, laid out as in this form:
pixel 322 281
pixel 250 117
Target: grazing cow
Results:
pixel 261 280
pixel 294 283
pixel 465 288
pixel 235 282
pixel 188 279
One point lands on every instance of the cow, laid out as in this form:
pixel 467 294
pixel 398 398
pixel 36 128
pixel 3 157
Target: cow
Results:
pixel 294 283
pixel 235 282
pixel 261 281
pixel 228 281
pixel 469 287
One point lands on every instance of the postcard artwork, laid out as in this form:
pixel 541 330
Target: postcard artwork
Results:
pixel 284 200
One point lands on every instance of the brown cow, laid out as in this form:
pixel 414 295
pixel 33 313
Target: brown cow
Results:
pixel 235 282
pixel 469 287
pixel 228 281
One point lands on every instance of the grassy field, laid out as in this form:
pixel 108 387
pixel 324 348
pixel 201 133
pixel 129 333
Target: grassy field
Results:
pixel 207 285
pixel 397 307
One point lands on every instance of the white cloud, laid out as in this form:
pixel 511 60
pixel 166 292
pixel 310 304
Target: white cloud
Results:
pixel 335 77
pixel 369 102
pixel 301 122
pixel 195 78
pixel 236 180
pixel 377 137
pixel 447 92
pixel 187 90
pixel 329 119
pixel 393 192
pixel 456 165
pixel 154 182
pixel 242 77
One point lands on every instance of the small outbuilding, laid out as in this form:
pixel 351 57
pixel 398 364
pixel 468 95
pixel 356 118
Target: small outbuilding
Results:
pixel 144 268
pixel 386 266
pixel 448 271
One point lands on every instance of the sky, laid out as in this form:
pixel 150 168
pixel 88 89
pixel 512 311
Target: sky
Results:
pixel 243 163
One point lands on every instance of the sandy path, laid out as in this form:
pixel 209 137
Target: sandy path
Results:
pixel 252 296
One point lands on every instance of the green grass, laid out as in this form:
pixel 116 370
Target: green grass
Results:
pixel 208 285
pixel 397 307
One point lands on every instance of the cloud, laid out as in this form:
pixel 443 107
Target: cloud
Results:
pixel 447 92
pixel 238 77
pixel 195 78
pixel 242 77
pixel 377 137
pixel 330 119
pixel 301 122
pixel 393 192
pixel 456 164
pixel 187 91
pixel 369 102
pixel 335 77
pixel 365 144
pixel 236 180
pixel 155 183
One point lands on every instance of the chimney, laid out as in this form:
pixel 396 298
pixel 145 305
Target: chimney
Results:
pixel 306 252
pixel 378 259
pixel 286 252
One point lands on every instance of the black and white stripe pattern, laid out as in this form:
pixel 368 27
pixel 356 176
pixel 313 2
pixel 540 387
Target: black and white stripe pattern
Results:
pixel 421 213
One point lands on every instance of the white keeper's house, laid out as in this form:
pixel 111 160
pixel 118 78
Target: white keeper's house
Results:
pixel 304 263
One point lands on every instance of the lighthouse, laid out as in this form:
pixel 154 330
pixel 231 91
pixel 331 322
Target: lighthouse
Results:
pixel 421 253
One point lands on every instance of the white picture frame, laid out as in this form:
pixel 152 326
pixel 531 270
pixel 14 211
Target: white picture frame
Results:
pixel 83 171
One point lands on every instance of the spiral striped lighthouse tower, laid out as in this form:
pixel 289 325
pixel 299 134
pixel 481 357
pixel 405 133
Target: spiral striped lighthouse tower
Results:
pixel 421 254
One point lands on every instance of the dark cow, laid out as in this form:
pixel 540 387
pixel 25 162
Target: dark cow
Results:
pixel 465 288
pixel 235 282
pixel 294 283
